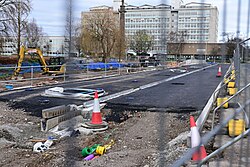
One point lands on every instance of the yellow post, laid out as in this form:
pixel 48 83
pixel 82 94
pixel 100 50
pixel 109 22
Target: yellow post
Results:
pixel 236 127
pixel 220 100
pixel 232 77
pixel 233 71
pixel 226 80
pixel 231 84
pixel 232 91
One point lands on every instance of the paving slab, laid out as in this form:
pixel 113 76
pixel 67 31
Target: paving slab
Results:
pixel 219 163
pixel 238 153
pixel 225 113
pixel 223 139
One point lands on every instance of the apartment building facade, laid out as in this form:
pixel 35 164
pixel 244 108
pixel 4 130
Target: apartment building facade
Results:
pixel 192 23
pixel 155 20
pixel 50 45
pixel 199 21
pixel 174 23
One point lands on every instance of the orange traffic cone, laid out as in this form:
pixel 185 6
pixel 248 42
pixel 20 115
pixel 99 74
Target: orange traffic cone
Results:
pixel 219 72
pixel 196 141
pixel 96 114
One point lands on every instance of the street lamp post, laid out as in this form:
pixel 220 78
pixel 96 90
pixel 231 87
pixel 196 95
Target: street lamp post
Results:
pixel 206 53
pixel 122 29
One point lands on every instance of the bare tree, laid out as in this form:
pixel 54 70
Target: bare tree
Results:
pixel 90 45
pixel 33 34
pixel 77 38
pixel 102 28
pixel 141 42
pixel 1 45
pixel 231 45
pixel 12 18
pixel 175 42
pixel 6 8
pixel 14 14
pixel 69 27
pixel 215 51
pixel 119 48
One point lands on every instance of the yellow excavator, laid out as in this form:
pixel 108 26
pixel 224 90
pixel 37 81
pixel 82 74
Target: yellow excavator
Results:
pixel 46 69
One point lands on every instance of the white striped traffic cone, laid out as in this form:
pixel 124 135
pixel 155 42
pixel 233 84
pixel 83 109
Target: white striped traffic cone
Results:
pixel 96 114
pixel 196 141
pixel 219 72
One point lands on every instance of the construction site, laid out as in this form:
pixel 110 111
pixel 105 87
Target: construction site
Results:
pixel 94 118
pixel 132 86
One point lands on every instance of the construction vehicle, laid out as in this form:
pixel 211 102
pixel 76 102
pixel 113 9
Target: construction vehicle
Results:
pixel 46 69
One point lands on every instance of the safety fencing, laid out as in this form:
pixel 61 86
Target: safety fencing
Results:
pixel 234 127
pixel 228 112
pixel 31 76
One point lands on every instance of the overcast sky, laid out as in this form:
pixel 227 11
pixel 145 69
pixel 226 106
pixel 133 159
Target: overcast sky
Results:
pixel 50 14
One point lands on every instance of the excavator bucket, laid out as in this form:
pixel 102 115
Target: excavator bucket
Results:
pixel 60 72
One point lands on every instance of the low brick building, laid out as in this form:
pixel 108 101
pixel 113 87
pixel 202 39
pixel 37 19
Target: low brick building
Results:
pixel 208 51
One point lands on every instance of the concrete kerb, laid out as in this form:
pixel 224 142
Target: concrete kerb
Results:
pixel 54 116
pixel 208 107
pixel 206 110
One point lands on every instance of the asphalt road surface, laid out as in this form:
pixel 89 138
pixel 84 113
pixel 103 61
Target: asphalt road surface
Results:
pixel 188 93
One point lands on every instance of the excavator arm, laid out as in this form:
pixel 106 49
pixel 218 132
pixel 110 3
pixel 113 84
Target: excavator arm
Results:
pixel 22 52
pixel 20 61
pixel 45 68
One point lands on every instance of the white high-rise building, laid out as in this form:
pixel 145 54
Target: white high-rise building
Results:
pixel 196 22
pixel 199 21
pixel 155 20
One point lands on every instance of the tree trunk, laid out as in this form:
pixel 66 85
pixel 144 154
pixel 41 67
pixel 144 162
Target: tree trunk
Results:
pixel 19 29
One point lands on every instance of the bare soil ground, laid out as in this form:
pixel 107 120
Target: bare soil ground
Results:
pixel 144 139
